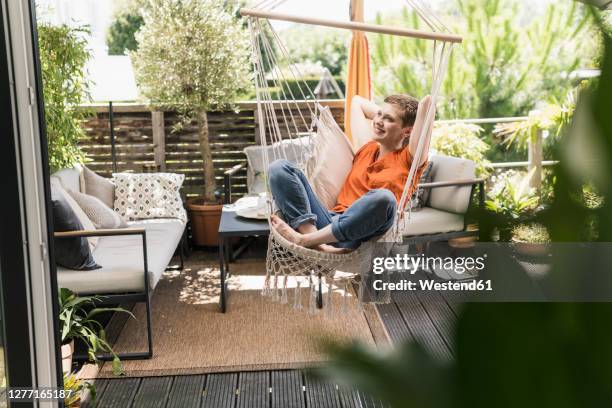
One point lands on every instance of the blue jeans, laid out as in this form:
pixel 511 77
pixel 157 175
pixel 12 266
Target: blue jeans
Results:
pixel 369 216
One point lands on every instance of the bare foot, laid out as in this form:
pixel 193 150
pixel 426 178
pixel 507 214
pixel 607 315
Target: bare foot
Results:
pixel 332 249
pixel 286 231
pixel 296 237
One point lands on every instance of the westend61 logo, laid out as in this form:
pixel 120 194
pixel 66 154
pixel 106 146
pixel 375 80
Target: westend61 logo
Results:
pixel 400 263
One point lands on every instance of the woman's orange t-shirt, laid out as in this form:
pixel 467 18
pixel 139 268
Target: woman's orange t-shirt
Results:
pixel 390 172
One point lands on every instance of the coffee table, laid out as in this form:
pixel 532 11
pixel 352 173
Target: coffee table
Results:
pixel 232 226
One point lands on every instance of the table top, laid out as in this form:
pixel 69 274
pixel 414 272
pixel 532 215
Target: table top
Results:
pixel 232 225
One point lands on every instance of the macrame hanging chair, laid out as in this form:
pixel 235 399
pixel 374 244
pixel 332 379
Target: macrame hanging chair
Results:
pixel 289 130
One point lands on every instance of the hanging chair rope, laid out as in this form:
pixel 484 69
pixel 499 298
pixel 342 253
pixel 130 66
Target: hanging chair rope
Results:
pixel 282 122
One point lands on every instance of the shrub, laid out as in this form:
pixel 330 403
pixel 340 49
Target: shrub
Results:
pixel 534 233
pixel 327 47
pixel 508 61
pixel 461 140
pixel 63 55
pixel 121 33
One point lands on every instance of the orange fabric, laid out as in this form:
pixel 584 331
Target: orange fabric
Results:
pixel 358 80
pixel 389 172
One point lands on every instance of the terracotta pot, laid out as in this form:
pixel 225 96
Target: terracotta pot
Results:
pixel 464 242
pixel 205 220
pixel 531 249
pixel 76 404
pixel 67 351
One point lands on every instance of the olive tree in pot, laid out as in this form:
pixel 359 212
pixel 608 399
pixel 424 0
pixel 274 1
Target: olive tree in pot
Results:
pixel 193 58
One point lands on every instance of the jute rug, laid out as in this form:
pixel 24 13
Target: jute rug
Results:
pixel 191 336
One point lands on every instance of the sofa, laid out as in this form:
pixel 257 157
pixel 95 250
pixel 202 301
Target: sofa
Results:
pixel 133 259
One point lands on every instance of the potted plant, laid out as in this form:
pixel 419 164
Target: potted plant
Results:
pixel 193 58
pixel 76 319
pixel 511 200
pixel 74 387
pixel 531 240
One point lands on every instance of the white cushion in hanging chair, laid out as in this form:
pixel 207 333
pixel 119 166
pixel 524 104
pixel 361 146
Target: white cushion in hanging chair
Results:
pixel 331 160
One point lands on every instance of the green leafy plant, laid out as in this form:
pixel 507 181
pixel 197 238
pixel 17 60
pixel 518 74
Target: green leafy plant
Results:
pixel 76 321
pixel 192 57
pixel 552 118
pixel 63 55
pixel 75 386
pixel 267 61
pixel 511 57
pixel 511 196
pixel 591 198
pixel 532 233
pixel 121 34
pixel 320 46
pixel 461 140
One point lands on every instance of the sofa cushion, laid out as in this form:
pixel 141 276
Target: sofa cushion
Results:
pixel 57 191
pixel 70 252
pixel 100 215
pixel 294 150
pixel 149 196
pixel 70 178
pixel 431 221
pixel 453 199
pixel 98 186
pixel 122 260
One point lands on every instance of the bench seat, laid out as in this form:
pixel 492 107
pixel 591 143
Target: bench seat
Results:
pixel 429 221
pixel 121 259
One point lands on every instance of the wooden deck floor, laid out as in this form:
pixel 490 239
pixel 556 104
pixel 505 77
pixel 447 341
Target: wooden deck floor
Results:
pixel 276 389
pixel 428 317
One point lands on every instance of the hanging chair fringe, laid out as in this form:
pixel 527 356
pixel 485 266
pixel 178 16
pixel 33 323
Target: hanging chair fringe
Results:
pixel 312 299
pixel 297 301
pixel 284 299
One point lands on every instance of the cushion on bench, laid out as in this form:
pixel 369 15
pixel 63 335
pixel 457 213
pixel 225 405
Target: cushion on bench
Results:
pixel 431 221
pixel 70 178
pixel 122 260
pixel 453 199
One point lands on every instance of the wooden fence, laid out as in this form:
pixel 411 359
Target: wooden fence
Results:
pixel 147 141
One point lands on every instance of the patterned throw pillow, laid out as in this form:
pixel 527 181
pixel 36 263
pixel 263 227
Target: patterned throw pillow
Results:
pixel 421 195
pixel 149 195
